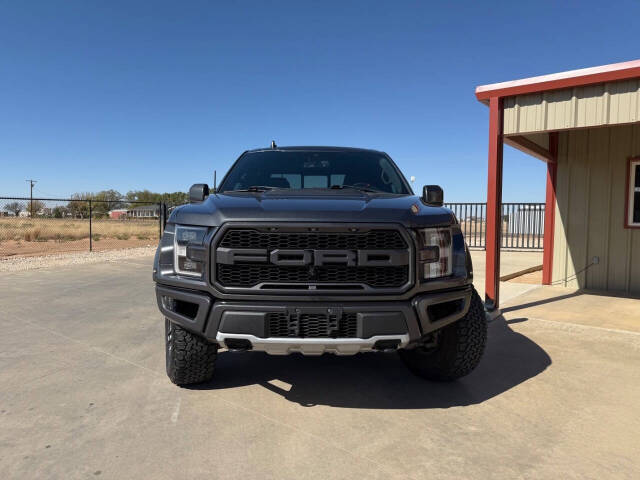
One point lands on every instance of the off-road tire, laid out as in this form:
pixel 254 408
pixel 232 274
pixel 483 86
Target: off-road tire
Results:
pixel 190 358
pixel 458 350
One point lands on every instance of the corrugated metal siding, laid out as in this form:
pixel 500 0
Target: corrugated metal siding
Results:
pixel 594 105
pixel 592 169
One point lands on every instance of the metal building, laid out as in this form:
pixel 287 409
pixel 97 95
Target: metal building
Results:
pixel 585 124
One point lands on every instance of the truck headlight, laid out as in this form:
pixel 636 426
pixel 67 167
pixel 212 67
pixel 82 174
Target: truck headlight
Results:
pixel 189 250
pixel 435 252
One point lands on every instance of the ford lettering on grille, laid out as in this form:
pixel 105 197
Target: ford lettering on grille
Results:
pixel 351 258
pixel 248 259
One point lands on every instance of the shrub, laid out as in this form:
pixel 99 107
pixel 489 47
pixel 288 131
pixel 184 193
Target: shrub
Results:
pixel 32 235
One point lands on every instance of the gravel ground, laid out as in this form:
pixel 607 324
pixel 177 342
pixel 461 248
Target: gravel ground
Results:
pixel 20 264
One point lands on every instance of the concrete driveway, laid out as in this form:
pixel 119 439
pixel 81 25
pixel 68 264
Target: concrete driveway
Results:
pixel 83 394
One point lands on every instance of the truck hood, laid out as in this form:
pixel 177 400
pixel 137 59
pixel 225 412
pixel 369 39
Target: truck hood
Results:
pixel 315 206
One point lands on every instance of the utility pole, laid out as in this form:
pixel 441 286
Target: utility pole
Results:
pixel 32 183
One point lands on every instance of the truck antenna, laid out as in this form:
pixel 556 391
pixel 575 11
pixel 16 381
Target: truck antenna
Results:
pixel 273 144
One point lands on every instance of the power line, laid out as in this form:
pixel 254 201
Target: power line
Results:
pixel 49 194
pixel 32 183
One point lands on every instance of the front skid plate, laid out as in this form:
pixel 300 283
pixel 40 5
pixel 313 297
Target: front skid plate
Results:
pixel 312 346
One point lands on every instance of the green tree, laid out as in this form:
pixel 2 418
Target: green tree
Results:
pixel 106 200
pixel 60 212
pixel 175 198
pixel 79 206
pixel 144 196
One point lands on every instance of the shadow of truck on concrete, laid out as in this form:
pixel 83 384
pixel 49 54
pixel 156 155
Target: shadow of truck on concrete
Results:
pixel 374 380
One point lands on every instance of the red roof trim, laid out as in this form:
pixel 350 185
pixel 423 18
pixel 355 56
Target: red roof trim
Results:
pixel 574 78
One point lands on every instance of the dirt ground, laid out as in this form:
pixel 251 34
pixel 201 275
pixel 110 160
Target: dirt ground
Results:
pixel 533 278
pixel 29 237
pixel 13 248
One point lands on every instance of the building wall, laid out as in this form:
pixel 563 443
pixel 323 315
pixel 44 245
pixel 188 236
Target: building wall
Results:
pixel 593 105
pixel 590 192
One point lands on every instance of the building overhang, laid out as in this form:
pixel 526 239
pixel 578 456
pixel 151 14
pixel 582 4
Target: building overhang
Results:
pixel 556 81
pixel 590 97
pixel 528 114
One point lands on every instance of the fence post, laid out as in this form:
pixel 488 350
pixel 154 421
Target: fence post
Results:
pixel 484 234
pixel 90 228
pixel 160 217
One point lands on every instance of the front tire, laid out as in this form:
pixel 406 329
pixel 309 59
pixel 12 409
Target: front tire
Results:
pixel 190 358
pixel 457 349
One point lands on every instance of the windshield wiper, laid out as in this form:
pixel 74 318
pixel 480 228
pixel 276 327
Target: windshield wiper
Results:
pixel 256 188
pixel 356 187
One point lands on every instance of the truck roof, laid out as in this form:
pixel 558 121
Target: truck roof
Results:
pixel 316 149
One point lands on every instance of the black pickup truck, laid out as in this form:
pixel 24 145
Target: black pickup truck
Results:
pixel 317 250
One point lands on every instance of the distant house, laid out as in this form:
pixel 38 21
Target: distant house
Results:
pixel 144 211
pixel 118 213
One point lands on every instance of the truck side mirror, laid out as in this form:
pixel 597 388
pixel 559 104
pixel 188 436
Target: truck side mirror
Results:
pixel 433 195
pixel 198 192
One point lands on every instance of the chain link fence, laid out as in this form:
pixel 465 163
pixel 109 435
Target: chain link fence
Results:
pixel 42 226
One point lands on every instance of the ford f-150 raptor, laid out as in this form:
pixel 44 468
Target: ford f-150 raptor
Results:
pixel 317 250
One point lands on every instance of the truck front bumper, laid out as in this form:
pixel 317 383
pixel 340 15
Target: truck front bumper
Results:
pixel 375 325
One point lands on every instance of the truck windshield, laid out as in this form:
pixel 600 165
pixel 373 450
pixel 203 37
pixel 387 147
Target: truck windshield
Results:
pixel 299 169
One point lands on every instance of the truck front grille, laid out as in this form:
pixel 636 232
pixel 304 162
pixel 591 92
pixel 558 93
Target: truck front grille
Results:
pixel 346 259
pixel 312 325
pixel 243 275
pixel 373 240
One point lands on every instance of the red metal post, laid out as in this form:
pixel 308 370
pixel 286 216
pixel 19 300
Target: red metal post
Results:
pixel 550 209
pixel 494 205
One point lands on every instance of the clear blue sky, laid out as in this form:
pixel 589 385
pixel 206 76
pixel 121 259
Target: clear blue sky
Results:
pixel 132 95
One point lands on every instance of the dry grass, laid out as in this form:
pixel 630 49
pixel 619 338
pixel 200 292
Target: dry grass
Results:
pixel 64 229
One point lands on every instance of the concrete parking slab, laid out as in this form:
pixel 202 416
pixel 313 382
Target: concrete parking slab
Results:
pixel 570 305
pixel 83 394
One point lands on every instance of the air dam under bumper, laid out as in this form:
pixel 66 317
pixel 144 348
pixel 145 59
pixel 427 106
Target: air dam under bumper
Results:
pixel 313 328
